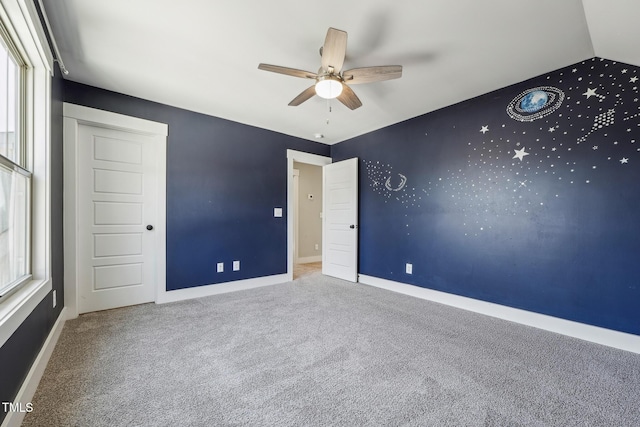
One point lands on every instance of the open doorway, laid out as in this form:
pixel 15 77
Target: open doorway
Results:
pixel 304 210
pixel 307 228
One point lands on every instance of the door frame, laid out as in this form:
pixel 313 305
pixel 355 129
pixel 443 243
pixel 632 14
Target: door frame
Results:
pixel 74 116
pixel 300 157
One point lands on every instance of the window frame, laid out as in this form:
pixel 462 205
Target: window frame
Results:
pixel 23 28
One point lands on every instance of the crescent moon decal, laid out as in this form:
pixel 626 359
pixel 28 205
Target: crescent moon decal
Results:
pixel 403 181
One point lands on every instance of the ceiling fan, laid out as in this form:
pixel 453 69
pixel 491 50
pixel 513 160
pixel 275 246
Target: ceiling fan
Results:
pixel 330 81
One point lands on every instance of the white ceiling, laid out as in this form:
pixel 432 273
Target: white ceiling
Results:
pixel 202 55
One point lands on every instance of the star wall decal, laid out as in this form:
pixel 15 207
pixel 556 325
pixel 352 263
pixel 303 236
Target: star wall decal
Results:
pixel 484 129
pixel 520 154
pixel 633 79
pixel 624 161
pixel 590 92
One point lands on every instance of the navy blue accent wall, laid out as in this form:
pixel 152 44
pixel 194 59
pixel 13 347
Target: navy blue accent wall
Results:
pixel 20 351
pixel 57 231
pixel 223 181
pixel 527 196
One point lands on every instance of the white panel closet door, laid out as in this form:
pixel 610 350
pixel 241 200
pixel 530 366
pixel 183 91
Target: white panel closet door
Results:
pixel 340 228
pixel 117 204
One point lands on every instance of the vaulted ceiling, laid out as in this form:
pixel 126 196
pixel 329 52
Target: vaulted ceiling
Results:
pixel 203 55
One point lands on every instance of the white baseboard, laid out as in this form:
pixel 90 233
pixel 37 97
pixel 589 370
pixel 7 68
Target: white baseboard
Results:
pixel 608 337
pixel 309 259
pixel 30 384
pixel 219 288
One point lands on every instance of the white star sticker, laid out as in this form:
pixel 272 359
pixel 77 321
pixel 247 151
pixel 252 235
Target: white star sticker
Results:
pixel 575 70
pixel 633 79
pixel 552 129
pixel 590 92
pixel 624 160
pixel 595 147
pixel 484 129
pixel 624 71
pixel 520 154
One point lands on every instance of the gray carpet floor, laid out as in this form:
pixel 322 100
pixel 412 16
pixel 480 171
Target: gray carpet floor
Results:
pixel 322 352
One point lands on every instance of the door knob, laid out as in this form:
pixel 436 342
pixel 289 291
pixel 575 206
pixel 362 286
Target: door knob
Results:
pixel 353 226
pixel 149 227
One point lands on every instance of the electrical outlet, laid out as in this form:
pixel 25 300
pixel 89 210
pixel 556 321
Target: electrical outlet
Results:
pixel 220 267
pixel 409 268
pixel 236 265
pixel 55 299
pixel 317 247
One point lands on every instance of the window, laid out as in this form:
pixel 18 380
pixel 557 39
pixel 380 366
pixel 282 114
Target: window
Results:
pixel 15 178
pixel 26 64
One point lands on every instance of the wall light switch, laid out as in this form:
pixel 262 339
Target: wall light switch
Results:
pixel 409 268
pixel 220 267
pixel 277 212
pixel 236 265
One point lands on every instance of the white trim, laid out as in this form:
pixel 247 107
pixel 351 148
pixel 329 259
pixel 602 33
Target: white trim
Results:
pixel 310 259
pixel 44 50
pixel 74 115
pixel 109 120
pixel 595 334
pixel 300 157
pixel 220 288
pixel 30 384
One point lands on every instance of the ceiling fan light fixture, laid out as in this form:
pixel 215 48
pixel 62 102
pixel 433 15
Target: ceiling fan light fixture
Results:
pixel 328 87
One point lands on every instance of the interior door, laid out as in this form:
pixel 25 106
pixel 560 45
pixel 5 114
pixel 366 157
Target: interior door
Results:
pixel 117 205
pixel 340 213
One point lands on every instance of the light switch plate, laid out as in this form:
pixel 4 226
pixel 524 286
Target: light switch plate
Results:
pixel 220 267
pixel 236 265
pixel 277 212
